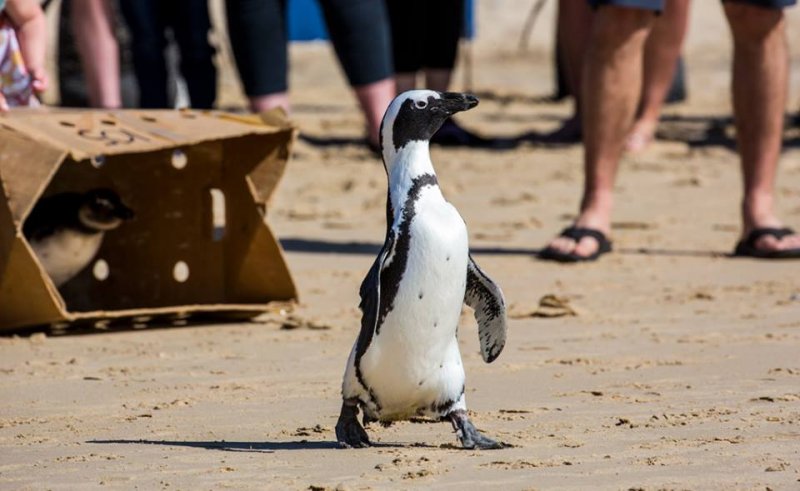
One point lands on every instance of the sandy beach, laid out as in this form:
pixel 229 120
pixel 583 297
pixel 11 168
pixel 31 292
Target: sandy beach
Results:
pixel 666 365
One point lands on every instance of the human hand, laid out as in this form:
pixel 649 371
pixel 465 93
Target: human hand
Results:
pixel 3 104
pixel 39 80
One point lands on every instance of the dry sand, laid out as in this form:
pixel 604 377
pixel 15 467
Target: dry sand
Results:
pixel 680 370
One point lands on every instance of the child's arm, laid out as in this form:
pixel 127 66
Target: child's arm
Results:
pixel 29 22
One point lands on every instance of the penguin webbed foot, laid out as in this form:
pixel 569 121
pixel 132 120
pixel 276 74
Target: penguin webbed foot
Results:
pixel 470 437
pixel 349 432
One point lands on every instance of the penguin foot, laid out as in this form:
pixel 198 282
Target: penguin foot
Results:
pixel 349 432
pixel 470 437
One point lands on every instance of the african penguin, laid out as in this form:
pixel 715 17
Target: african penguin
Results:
pixel 65 230
pixel 406 361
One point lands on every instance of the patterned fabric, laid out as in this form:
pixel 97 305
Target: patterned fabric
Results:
pixel 15 83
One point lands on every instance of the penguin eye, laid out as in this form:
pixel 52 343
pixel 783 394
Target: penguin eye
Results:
pixel 421 104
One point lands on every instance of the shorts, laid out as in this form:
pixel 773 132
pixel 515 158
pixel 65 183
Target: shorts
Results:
pixel 658 5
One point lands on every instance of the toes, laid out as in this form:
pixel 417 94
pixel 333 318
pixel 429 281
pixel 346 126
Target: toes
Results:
pixel 586 247
pixel 791 242
pixel 769 243
pixel 486 443
pixel 352 436
pixel 563 245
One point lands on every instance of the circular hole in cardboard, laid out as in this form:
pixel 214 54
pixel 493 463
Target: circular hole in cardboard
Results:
pixel 67 124
pixel 179 159
pixel 180 272
pixel 101 270
pixel 188 115
pixel 98 161
pixel 108 122
pixel 149 119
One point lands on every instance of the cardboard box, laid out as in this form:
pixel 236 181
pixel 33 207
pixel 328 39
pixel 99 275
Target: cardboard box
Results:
pixel 199 183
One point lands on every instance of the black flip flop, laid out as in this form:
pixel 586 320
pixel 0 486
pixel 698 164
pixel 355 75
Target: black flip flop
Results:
pixel 577 233
pixel 747 247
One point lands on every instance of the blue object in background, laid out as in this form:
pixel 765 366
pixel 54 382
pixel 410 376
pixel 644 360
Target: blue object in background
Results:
pixel 306 22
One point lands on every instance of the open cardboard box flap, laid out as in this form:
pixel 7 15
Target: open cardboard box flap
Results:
pixel 199 183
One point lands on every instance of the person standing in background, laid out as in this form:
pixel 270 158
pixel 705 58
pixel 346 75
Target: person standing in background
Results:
pixel 612 82
pixel 660 61
pixel 148 21
pixel 359 32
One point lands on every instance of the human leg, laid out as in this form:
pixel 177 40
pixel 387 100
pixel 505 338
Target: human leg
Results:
pixel 407 44
pixel 191 24
pixel 611 86
pixel 574 25
pixel 257 31
pixel 93 27
pixel 760 79
pixel 145 21
pixel 661 54
pixel 361 37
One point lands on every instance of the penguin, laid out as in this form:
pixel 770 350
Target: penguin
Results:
pixel 406 362
pixel 65 230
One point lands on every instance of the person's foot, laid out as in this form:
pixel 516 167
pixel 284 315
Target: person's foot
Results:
pixel 769 240
pixel 588 245
pixel 763 233
pixel 641 136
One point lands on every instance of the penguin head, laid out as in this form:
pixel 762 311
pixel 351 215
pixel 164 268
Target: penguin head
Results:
pixel 416 115
pixel 102 209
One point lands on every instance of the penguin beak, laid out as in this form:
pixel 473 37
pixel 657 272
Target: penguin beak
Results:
pixel 454 102
pixel 123 212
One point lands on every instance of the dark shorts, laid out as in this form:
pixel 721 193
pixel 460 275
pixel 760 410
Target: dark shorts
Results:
pixel 658 5
pixel 359 31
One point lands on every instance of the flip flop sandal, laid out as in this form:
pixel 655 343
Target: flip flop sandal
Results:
pixel 747 247
pixel 577 233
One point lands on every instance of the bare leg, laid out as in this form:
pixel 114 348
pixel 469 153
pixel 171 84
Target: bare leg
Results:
pixel 349 432
pixel 405 81
pixel 470 437
pixel 661 54
pixel 574 23
pixel 438 79
pixel 374 98
pixel 612 81
pixel 261 103
pixel 93 28
pixel 760 79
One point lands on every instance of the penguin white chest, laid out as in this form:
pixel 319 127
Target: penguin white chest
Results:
pixel 65 253
pixel 414 362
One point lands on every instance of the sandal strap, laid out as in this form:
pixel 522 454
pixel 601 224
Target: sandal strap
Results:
pixel 578 233
pixel 778 233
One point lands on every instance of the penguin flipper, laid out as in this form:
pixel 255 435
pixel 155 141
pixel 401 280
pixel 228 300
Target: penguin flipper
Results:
pixel 486 298
pixel 370 292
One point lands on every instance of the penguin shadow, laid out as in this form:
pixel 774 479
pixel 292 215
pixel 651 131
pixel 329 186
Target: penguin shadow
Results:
pixel 255 447
pixel 294 244
pixel 478 142
pixel 652 251
pixel 314 246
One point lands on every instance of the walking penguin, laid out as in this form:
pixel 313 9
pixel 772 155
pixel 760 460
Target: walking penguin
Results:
pixel 406 361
